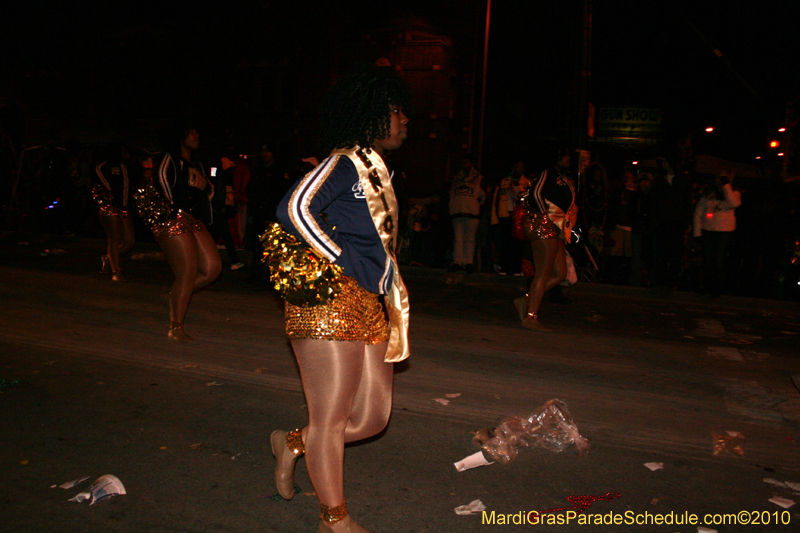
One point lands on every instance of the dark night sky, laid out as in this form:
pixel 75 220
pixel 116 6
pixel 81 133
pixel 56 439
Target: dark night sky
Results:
pixel 139 60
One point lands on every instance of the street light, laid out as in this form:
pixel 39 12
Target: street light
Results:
pixel 709 129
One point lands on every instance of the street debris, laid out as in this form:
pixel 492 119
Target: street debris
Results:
pixel 104 488
pixel 452 395
pixel 701 529
pixel 442 401
pixel 198 445
pixel 214 384
pixel 783 502
pixel 473 507
pixel 730 442
pixel 70 484
pixel 550 427
pixel 654 466
pixel 473 461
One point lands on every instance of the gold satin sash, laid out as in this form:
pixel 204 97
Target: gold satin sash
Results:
pixel 382 204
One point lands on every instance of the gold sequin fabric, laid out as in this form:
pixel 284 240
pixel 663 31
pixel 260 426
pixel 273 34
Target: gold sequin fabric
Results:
pixel 331 515
pixel 183 223
pixel 539 226
pixel 294 441
pixel 114 211
pixel 354 315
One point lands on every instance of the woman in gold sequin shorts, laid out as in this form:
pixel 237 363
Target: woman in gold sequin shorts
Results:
pixel 113 193
pixel 341 346
pixel 551 201
pixel 187 244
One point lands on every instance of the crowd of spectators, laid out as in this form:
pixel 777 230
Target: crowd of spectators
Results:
pixel 642 226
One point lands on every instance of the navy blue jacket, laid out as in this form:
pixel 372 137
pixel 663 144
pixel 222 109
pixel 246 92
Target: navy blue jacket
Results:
pixel 327 209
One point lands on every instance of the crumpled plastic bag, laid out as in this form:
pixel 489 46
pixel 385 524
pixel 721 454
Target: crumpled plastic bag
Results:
pixel 103 488
pixel 550 427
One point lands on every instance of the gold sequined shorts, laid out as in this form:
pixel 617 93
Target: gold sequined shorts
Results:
pixel 355 314
pixel 539 226
pixel 183 223
pixel 114 211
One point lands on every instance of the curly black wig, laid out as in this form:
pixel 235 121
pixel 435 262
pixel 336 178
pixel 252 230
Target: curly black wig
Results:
pixel 356 110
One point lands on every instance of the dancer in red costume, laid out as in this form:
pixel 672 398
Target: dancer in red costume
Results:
pixel 345 348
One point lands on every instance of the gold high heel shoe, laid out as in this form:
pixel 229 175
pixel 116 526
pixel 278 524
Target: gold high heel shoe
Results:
pixel 177 333
pixel 337 520
pixel 287 448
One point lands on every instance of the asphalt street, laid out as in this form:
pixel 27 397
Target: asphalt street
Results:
pixel 90 385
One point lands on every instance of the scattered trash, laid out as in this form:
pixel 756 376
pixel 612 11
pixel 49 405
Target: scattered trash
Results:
pixel 581 503
pixel 452 395
pixel 701 529
pixel 104 488
pixel 278 497
pixel 55 251
pixel 783 502
pixel 70 484
pixel 473 507
pixel 214 384
pixel 473 461
pixel 794 486
pixel 654 466
pixel 550 427
pixel 774 482
pixel 198 445
pixel 731 443
pixel 442 401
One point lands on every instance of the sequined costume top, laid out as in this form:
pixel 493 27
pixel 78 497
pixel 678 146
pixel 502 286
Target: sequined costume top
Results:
pixel 328 210
pixel 185 185
pixel 553 195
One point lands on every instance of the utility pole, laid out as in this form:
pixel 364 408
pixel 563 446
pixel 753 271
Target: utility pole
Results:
pixel 483 85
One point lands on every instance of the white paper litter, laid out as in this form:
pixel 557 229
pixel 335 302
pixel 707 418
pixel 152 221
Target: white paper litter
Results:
pixel 774 482
pixel 701 529
pixel 473 461
pixel 783 502
pixel 70 484
pixel 654 466
pixel 475 506
pixel 452 395
pixel 792 485
pixel 214 384
pixel 105 487
pixel 735 434
pixel 442 401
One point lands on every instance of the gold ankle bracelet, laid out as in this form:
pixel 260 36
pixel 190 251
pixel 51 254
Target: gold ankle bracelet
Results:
pixel 331 515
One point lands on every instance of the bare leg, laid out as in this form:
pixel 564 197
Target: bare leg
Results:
pixel 340 380
pixel 545 252
pixel 112 227
pixel 209 264
pixel 181 253
pixel 127 239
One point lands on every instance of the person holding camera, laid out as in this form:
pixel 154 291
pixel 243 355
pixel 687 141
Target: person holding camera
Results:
pixel 715 222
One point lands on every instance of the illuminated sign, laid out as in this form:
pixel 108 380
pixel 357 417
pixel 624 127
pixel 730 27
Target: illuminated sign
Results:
pixel 628 124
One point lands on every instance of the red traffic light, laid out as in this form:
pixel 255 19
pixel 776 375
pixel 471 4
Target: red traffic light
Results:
pixel 774 144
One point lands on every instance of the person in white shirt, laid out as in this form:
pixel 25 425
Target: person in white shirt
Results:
pixel 715 222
